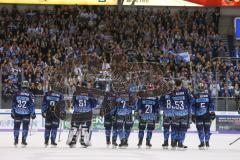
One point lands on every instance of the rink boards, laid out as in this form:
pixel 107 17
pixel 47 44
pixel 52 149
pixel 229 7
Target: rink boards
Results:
pixel 225 122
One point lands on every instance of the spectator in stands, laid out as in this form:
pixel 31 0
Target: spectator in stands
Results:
pixel 42 44
pixel 237 52
pixel 214 89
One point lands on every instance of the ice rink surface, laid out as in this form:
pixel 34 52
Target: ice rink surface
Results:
pixel 220 149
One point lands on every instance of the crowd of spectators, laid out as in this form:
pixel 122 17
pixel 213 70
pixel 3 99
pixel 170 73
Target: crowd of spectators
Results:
pixel 36 44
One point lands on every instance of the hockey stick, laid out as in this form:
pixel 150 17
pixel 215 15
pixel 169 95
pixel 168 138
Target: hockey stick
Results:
pixel 60 131
pixel 234 141
pixel 31 127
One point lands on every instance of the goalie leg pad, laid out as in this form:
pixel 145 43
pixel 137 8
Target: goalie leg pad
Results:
pixel 86 134
pixel 73 133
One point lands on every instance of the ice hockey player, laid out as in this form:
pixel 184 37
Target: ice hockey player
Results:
pixel 165 104
pixel 83 103
pixel 148 114
pixel 110 124
pixel 202 114
pixel 181 101
pixel 50 99
pixel 123 111
pixel 23 109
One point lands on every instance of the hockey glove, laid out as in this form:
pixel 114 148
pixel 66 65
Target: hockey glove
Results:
pixel 13 115
pixel 44 114
pixel 194 119
pixel 212 115
pixel 33 116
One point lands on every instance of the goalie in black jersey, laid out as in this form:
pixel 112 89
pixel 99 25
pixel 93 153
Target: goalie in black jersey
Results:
pixel 83 102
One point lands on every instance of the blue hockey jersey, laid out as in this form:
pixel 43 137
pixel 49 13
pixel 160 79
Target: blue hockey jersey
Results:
pixel 148 108
pixel 50 99
pixel 123 107
pixel 165 104
pixel 83 103
pixel 181 101
pixel 202 104
pixel 23 103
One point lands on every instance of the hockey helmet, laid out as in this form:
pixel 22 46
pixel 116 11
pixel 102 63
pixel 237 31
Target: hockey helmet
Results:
pixel 24 84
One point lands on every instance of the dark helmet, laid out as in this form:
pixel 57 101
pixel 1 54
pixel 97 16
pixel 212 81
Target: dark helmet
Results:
pixel 24 84
pixel 178 82
pixel 54 87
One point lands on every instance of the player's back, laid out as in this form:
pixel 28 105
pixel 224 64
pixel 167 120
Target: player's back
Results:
pixel 202 104
pixel 148 107
pixel 82 103
pixel 181 102
pixel 23 103
pixel 123 105
pixel 52 97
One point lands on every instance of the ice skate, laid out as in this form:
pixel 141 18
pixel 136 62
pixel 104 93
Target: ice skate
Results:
pixel 53 144
pixel 181 147
pixel 16 142
pixel 24 143
pixel 122 145
pixel 114 144
pixel 140 143
pixel 165 145
pixel 207 145
pixel 46 143
pixel 148 144
pixel 173 144
pixel 108 143
pixel 201 146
